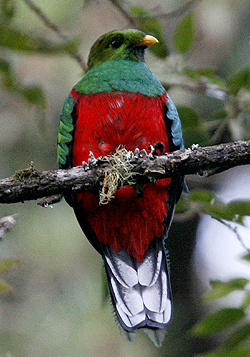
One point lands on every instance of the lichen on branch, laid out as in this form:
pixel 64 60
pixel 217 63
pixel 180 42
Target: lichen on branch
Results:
pixel 138 169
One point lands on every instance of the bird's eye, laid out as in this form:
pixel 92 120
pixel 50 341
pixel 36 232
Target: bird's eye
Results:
pixel 116 42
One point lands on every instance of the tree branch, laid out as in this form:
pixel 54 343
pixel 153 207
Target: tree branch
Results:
pixel 30 184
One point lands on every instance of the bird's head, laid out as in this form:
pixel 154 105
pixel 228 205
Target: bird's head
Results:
pixel 120 45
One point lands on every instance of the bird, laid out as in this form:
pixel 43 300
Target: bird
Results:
pixel 119 102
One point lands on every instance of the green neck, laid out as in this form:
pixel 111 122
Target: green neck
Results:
pixel 120 75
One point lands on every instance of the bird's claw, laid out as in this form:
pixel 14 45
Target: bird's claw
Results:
pixel 140 153
pixel 92 161
pixel 85 165
pixel 136 152
pixel 143 153
pixel 195 147
pixel 156 149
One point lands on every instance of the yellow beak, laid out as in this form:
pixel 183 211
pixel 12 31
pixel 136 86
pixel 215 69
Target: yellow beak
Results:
pixel 148 40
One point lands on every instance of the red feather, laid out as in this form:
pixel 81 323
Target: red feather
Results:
pixel 104 122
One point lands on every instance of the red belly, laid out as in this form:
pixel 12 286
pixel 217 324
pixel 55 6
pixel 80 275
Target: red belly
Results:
pixel 104 122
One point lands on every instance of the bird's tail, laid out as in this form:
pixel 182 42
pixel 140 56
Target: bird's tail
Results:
pixel 140 291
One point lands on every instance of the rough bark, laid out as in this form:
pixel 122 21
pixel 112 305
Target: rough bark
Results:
pixel 30 184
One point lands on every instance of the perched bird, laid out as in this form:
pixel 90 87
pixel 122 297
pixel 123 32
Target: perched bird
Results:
pixel 119 102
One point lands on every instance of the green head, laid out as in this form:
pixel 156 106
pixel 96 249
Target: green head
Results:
pixel 120 45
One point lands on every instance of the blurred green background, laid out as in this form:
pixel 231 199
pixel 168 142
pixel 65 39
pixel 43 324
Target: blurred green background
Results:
pixel 56 307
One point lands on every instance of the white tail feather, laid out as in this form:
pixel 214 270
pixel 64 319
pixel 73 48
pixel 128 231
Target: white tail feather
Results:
pixel 140 291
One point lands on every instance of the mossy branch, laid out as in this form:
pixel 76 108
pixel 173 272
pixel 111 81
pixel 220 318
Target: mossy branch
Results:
pixel 31 184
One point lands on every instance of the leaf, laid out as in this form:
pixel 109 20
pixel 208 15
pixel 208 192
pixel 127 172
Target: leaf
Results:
pixel 218 321
pixel 240 209
pixel 17 40
pixel 241 79
pixel 246 300
pixel 184 34
pixel 152 26
pixel 238 335
pixel 246 257
pixel 201 195
pixel 223 288
pixel 233 211
pixel 34 95
pixel 210 204
pixel 207 73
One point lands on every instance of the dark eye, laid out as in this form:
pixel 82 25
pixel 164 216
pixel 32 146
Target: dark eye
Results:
pixel 116 42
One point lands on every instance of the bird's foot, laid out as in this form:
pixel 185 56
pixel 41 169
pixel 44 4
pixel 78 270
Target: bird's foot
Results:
pixel 92 161
pixel 85 165
pixel 156 149
pixel 136 152
pixel 140 153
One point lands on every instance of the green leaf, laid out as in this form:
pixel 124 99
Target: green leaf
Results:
pixel 223 288
pixel 218 321
pixel 201 195
pixel 238 335
pixel 246 257
pixel 150 25
pixel 17 40
pixel 209 203
pixel 208 73
pixel 240 209
pixel 241 79
pixel 34 95
pixel 246 300
pixel 233 211
pixel 184 34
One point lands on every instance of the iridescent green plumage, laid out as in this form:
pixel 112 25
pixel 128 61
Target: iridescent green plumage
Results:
pixel 123 76
pixel 117 45
pixel 65 130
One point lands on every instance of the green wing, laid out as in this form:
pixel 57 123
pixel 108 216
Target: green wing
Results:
pixel 65 133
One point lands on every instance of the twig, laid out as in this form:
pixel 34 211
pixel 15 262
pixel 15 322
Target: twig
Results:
pixel 234 230
pixel 31 184
pixel 51 25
